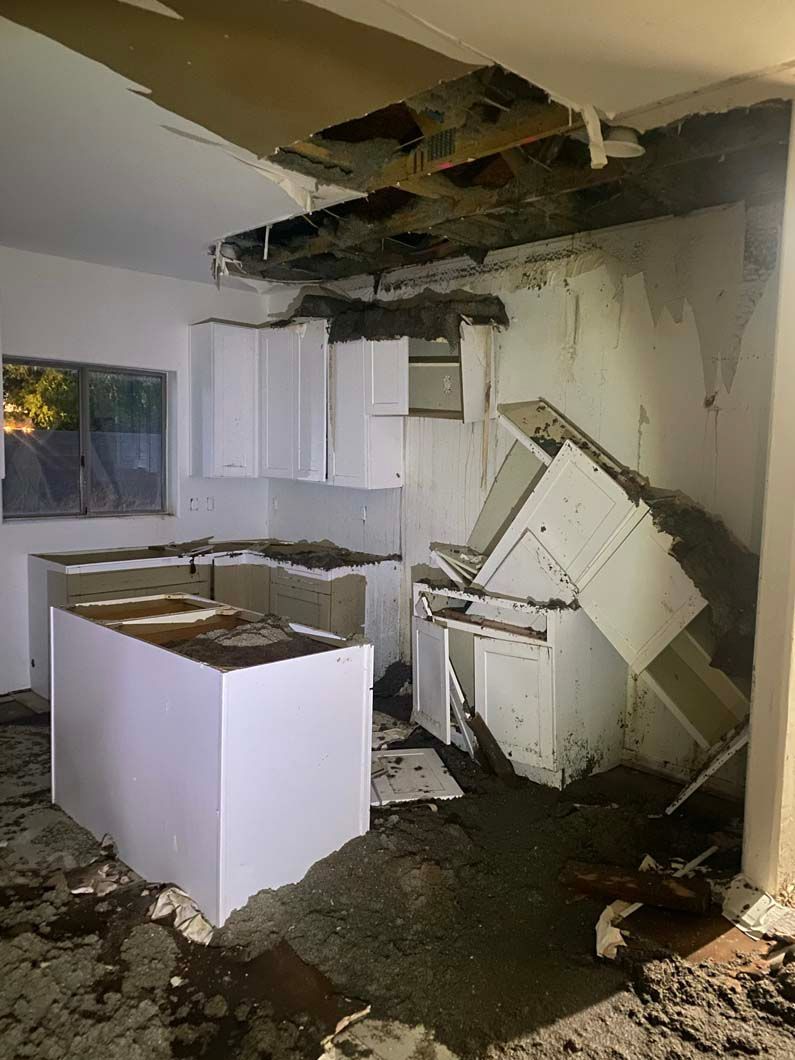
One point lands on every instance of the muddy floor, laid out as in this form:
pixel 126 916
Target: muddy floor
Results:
pixel 447 918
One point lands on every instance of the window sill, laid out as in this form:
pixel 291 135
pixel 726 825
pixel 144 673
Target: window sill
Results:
pixel 49 520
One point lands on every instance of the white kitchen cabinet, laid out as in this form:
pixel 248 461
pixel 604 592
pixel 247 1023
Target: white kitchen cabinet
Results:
pixel 224 414
pixel 451 383
pixel 223 779
pixel 640 597
pixel 366 452
pixel 387 377
pixel 277 402
pixel 293 401
pixel 548 684
pixel 576 511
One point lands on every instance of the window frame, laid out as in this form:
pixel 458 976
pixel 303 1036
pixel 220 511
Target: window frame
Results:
pixel 83 368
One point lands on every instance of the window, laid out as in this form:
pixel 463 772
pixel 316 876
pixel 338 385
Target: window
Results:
pixel 82 441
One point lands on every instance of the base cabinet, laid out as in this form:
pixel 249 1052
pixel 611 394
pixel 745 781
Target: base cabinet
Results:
pixel 547 683
pixel 336 604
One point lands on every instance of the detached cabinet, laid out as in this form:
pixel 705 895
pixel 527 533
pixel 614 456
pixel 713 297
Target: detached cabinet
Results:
pixel 366 450
pixel 224 415
pixel 293 398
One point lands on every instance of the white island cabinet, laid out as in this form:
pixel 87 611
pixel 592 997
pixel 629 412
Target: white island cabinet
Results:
pixel 224 776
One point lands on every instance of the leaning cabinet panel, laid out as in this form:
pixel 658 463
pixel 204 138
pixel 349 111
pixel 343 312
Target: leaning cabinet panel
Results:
pixel 223 370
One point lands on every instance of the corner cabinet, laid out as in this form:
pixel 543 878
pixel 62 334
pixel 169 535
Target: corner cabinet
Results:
pixel 224 407
pixel 366 450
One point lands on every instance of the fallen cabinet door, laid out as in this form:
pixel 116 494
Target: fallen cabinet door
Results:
pixel 513 694
pixel 431 678
pixel 641 598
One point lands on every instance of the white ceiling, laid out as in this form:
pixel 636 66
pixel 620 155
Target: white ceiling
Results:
pixel 90 172
pixel 621 56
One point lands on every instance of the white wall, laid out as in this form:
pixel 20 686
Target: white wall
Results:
pixel 68 310
pixel 655 339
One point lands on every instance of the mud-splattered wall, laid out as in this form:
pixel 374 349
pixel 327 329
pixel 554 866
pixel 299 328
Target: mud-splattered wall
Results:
pixel 656 339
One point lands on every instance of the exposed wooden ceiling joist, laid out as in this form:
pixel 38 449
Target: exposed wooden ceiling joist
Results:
pixel 541 198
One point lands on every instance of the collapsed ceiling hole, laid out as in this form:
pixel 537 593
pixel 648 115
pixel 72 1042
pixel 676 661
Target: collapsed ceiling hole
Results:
pixel 487 161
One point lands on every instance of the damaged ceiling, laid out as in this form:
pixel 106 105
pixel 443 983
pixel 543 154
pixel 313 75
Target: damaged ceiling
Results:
pixel 132 129
pixel 488 161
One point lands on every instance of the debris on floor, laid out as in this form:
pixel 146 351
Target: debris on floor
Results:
pixel 100 877
pixel 188 918
pixel 388 730
pixel 756 913
pixel 410 775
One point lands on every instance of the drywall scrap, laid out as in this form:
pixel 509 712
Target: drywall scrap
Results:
pixel 427 315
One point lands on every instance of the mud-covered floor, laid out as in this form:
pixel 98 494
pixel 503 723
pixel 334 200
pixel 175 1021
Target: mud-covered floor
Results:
pixel 447 919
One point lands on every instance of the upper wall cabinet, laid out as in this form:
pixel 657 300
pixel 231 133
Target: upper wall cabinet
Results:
pixel 448 383
pixel 293 397
pixel 224 415
pixel 366 449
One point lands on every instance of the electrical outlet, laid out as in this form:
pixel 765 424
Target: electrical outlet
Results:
pixel 194 504
pixel 211 504
pixel 276 504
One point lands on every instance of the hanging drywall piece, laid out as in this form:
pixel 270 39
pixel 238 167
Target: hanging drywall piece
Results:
pixel 154 6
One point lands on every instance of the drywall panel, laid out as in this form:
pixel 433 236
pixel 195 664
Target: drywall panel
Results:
pixel 69 310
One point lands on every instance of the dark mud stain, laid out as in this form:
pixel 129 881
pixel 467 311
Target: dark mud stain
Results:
pixel 428 315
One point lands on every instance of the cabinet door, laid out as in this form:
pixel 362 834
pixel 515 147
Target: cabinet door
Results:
pixel 234 401
pixel 348 419
pixel 581 514
pixel 641 598
pixel 277 402
pixel 311 375
pixel 513 693
pixel 387 378
pixel 430 663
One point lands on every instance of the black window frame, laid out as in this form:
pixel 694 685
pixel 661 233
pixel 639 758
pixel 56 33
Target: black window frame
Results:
pixel 83 368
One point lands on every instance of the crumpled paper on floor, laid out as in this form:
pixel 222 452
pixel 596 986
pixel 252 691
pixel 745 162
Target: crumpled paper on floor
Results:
pixel 188 918
pixel 757 913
